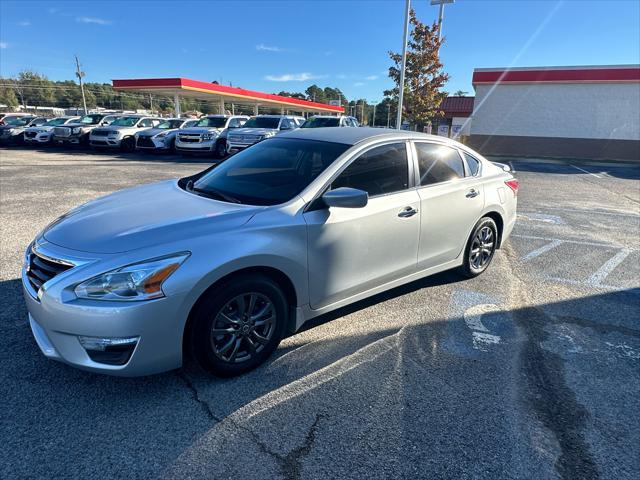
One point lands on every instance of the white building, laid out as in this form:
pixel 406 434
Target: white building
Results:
pixel 577 112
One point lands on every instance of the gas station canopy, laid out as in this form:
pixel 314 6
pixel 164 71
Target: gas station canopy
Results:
pixel 185 87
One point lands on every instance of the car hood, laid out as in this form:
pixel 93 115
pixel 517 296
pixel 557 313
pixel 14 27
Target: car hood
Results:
pixel 84 125
pixel 118 128
pixel 200 130
pixel 144 216
pixel 252 131
pixel 150 132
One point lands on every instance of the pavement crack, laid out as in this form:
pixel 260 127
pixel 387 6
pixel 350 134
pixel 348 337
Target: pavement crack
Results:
pixel 206 408
pixel 291 464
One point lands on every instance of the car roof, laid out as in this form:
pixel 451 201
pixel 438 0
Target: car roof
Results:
pixel 353 136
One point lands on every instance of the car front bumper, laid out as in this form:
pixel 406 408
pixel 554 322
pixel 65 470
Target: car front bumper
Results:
pixel 196 147
pixel 39 138
pixel 105 142
pixel 154 145
pixel 57 322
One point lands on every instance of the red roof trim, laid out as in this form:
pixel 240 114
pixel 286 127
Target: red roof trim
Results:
pixel 571 75
pixel 185 83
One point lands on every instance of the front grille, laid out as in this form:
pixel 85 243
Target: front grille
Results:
pixel 191 138
pixel 145 141
pixel 243 138
pixel 100 133
pixel 62 131
pixel 41 270
pixel 30 134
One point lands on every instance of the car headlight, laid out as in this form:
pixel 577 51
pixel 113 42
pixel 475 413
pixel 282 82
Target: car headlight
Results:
pixel 268 135
pixel 209 136
pixel 10 130
pixel 76 130
pixel 140 281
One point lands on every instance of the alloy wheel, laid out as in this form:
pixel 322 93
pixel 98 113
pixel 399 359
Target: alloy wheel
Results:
pixel 243 327
pixel 482 248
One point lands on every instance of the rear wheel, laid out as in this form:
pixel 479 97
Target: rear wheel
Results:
pixel 480 248
pixel 239 324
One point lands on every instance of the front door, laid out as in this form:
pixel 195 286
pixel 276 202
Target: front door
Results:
pixel 351 250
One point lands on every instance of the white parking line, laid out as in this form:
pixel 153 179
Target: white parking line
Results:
pixel 597 278
pixel 577 242
pixel 539 251
pixel 586 171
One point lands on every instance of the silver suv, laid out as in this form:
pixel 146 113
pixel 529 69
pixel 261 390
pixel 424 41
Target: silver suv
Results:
pixel 261 127
pixel 227 261
pixel 77 133
pixel 120 133
pixel 209 135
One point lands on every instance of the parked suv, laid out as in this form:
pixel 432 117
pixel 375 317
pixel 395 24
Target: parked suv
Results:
pixel 162 137
pixel 44 133
pixel 120 133
pixel 77 133
pixel 209 135
pixel 13 127
pixel 318 121
pixel 261 127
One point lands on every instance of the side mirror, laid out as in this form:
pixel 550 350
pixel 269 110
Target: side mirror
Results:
pixel 344 197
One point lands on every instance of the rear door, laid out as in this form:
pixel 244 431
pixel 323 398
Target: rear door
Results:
pixel 351 250
pixel 451 201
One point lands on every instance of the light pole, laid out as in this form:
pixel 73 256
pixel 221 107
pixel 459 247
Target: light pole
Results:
pixel 404 64
pixel 373 120
pixel 440 14
pixel 80 74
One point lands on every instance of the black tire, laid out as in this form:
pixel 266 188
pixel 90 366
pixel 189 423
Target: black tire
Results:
pixel 221 149
pixel 481 247
pixel 128 144
pixel 241 344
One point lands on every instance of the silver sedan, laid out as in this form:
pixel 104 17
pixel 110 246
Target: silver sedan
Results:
pixel 227 262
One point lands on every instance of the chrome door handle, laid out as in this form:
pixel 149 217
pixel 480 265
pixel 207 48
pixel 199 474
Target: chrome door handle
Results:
pixel 407 212
pixel 472 193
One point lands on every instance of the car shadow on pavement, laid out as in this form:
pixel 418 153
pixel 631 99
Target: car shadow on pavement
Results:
pixel 66 423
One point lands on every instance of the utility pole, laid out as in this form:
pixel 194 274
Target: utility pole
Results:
pixel 373 122
pixel 151 103
pixel 80 74
pixel 388 114
pixel 404 63
pixel 441 14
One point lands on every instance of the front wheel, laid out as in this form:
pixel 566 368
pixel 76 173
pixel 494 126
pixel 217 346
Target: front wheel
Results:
pixel 480 248
pixel 128 144
pixel 221 149
pixel 239 324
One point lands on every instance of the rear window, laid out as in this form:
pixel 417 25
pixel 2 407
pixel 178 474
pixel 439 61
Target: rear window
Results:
pixel 263 122
pixel 473 164
pixel 321 122
pixel 438 163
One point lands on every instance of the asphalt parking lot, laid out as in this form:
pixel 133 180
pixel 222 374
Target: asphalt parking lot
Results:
pixel 530 371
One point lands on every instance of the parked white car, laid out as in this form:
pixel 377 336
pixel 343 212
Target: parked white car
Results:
pixel 209 135
pixel 319 121
pixel 162 137
pixel 120 133
pixel 260 127
pixel 44 133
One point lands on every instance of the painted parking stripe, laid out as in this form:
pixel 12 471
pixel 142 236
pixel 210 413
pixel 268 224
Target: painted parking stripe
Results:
pixel 586 171
pixel 603 272
pixel 577 242
pixel 539 251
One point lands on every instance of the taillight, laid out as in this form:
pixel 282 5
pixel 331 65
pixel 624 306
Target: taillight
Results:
pixel 513 184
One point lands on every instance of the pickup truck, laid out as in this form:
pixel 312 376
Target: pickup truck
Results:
pixel 260 127
pixel 208 136
pixel 77 133
pixel 120 133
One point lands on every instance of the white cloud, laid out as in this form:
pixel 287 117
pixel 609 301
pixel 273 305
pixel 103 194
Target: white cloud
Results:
pixel 293 77
pixel 268 48
pixel 97 21
pixel 371 77
pixel 24 23
pixel 4 45
pixel 358 84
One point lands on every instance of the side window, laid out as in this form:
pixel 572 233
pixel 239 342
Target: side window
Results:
pixel 233 123
pixel 378 171
pixel 147 122
pixel 285 124
pixel 438 163
pixel 473 163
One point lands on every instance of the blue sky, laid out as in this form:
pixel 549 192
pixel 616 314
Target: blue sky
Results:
pixel 287 45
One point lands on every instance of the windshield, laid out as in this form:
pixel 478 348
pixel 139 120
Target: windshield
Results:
pixel 55 121
pixel 125 121
pixel 169 124
pixel 262 122
pixel 270 172
pixel 215 122
pixel 17 121
pixel 316 122
pixel 90 119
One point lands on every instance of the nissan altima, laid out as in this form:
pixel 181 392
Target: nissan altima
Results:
pixel 225 263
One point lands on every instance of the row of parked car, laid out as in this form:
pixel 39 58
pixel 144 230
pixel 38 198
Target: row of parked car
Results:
pixel 217 135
